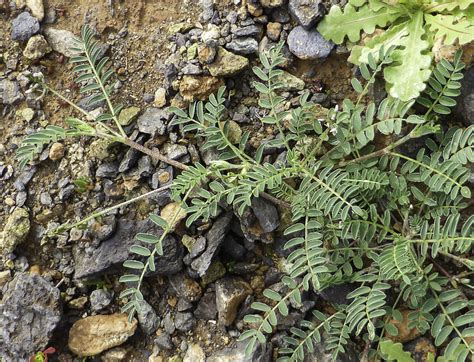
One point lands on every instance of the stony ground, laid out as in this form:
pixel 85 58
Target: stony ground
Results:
pixel 63 292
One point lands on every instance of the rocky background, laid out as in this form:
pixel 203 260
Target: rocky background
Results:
pixel 63 292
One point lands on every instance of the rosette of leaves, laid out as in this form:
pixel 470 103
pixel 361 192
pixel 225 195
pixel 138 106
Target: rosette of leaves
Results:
pixel 411 26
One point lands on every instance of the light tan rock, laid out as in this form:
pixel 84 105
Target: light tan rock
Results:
pixel 405 334
pixel 56 152
pixel 36 48
pixel 227 64
pixel 194 87
pixel 173 213
pixel 93 335
pixel 37 8
pixel 194 353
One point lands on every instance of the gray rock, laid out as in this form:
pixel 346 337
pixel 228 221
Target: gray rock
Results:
pixel 145 166
pixel 183 305
pixel 107 169
pixel 214 239
pixel 230 293
pixel 337 294
pixel 232 249
pixel 243 46
pixel 252 30
pixel 306 12
pixel 198 247
pixel 168 324
pixel 129 160
pixel 207 7
pixel 10 92
pixel 236 353
pixel 207 307
pixel 153 121
pixel 62 41
pixel 320 354
pixel 111 253
pixel 100 299
pixel 266 214
pixel 184 321
pixel 15 231
pixel 465 106
pixel 147 318
pixel 308 44
pixel 280 15
pixel 29 312
pixel 103 229
pixel 185 287
pixel 175 151
pixel 192 69
pixel 66 192
pixel 163 341
pixel 24 26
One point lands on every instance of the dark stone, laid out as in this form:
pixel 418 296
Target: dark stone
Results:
pixel 266 214
pixel 111 253
pixel 262 353
pixel 198 247
pixel 207 307
pixel 24 178
pixel 100 299
pixel 24 26
pixel 10 92
pixel 337 294
pixel 184 321
pixel 243 46
pixel 214 239
pixel 163 341
pixel 232 249
pixel 147 318
pixel 129 160
pixel 29 312
pixel 108 169
pixel 308 44
pixel 251 30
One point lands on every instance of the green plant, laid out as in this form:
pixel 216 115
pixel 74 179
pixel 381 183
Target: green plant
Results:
pixel 375 217
pixel 394 352
pixel 414 27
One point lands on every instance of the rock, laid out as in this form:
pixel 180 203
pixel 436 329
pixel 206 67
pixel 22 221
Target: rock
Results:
pixel 96 334
pixel 243 46
pixel 10 92
pixel 186 287
pixel 227 64
pixel 37 8
pixel 337 294
pixel 147 318
pixel 234 132
pixel 306 12
pixel 175 151
pixel 184 321
pixel 100 299
pixel 230 293
pixel 36 48
pixel 272 3
pixel 290 82
pixel 27 114
pixel 198 247
pixel 214 239
pixel 320 354
pixel 111 253
pixel 107 169
pixel 207 7
pixel 29 312
pixel 160 97
pixel 207 53
pixel 253 31
pixel 15 231
pixel 465 106
pixel 420 349
pixel 207 307
pixel 127 115
pixel 192 69
pixel 56 152
pixel 273 31
pixel 5 277
pixel 211 33
pixel 254 8
pixel 164 341
pixel 62 41
pixel 194 354
pixel 236 353
pixel 197 87
pixel 173 213
pixel 78 303
pixel 215 271
pixel 129 160
pixel 116 354
pixel 153 121
pixel 232 249
pixel 405 334
pixel 24 26
pixel 266 214
pixel 308 44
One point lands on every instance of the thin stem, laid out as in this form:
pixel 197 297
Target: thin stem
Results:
pixel 67 226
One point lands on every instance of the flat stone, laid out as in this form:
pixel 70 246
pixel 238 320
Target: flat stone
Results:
pixel 198 87
pixel 243 46
pixel 227 64
pixel 147 318
pixel 110 254
pixel 96 334
pixel 207 307
pixel 153 121
pixel 186 287
pixel 127 115
pixel 266 214
pixel 62 41
pixel 24 26
pixel 308 44
pixel 230 293
pixel 290 82
pixel 29 313
pixel 15 231
pixel 10 92
pixel 100 299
